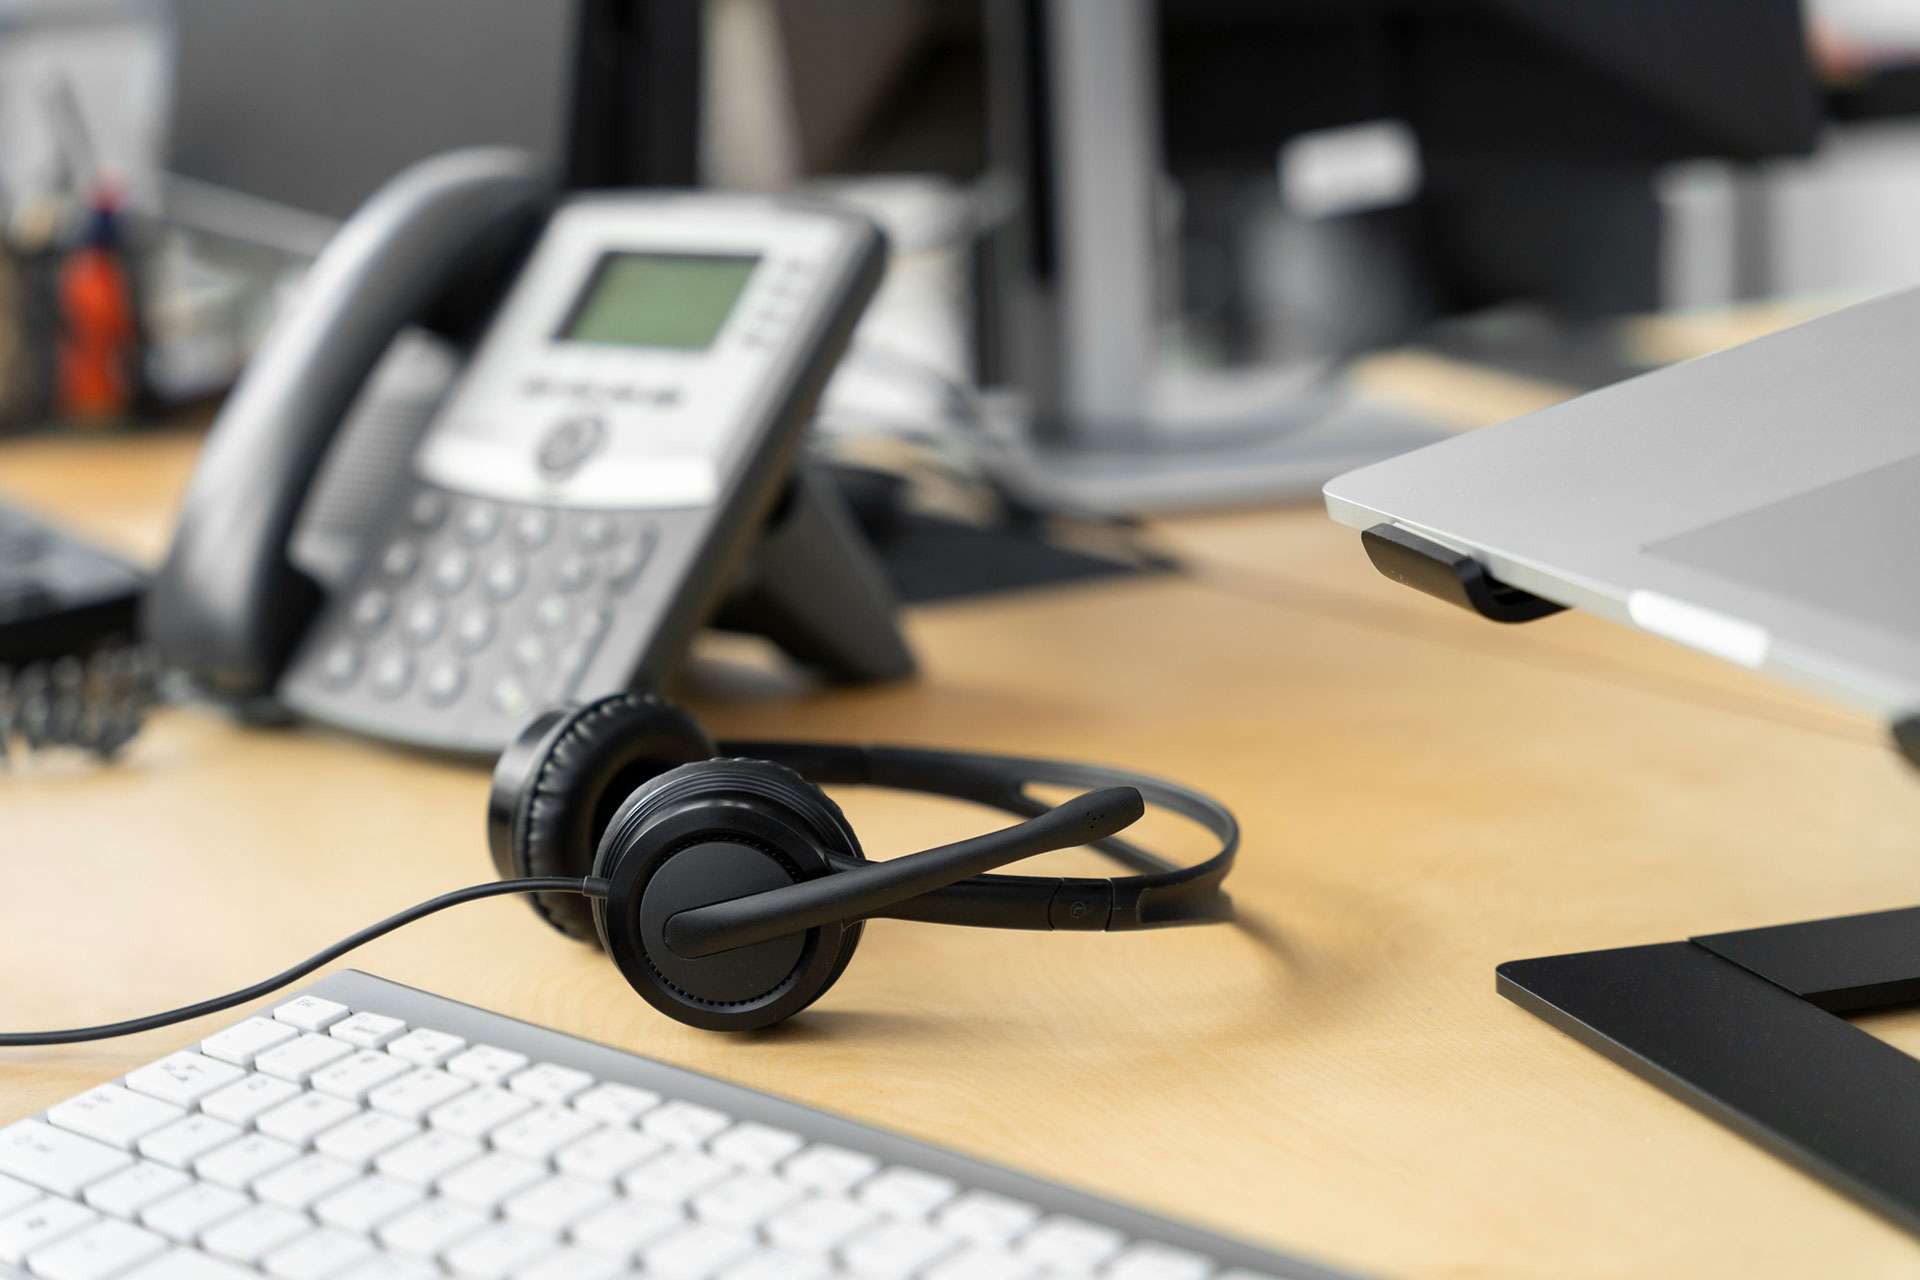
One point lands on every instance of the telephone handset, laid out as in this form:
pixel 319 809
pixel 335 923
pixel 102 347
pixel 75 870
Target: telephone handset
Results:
pixel 613 462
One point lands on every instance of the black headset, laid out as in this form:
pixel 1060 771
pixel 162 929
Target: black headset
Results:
pixel 729 890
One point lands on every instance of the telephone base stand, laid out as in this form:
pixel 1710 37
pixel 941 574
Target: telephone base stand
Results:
pixel 814 587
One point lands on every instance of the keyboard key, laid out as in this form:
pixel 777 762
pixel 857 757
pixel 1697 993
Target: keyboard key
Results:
pixel 606 1154
pixel 744 1200
pixel 1158 1262
pixel 183 1078
pixel 299 1183
pixel 674 1177
pixel 40 1224
pixel 623 1228
pixel 499 1250
pixel 419 1091
pixel 423 1159
pixel 393 1269
pixel 359 1140
pixel 315 1255
pixel 241 1044
pixel 906 1193
pixel 425 1230
pixel 252 1233
pixel 544 1082
pixel 113 1115
pixel 1069 1244
pixel 895 1249
pixel 757 1147
pixel 615 1103
pixel 241 1161
pixel 553 1203
pixel 695 1252
pixel 182 1216
pixel 479 1112
pixel 424 1047
pixel 818 1224
pixel 185 1141
pixel 127 1192
pixel 484 1064
pixel 539 1133
pixel 299 1120
pixel 984 1262
pixel 298 1059
pixel 367 1030
pixel 684 1124
pixel 311 1013
pixel 247 1097
pixel 576 1264
pixel 830 1169
pixel 361 1206
pixel 486 1182
pixel 358 1075
pixel 55 1161
pixel 179 1264
pixel 768 1265
pixel 986 1218
pixel 15 1194
pixel 96 1252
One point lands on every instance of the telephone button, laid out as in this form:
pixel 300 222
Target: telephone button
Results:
pixel 570 442
pixel 504 577
pixel 479 521
pixel 530 653
pixel 424 619
pixel 371 609
pixel 341 664
pixel 573 572
pixel 474 629
pixel 553 612
pixel 444 683
pixel 532 527
pixel 509 697
pixel 624 565
pixel 400 559
pixel 452 571
pixel 427 509
pixel 392 673
pixel 594 530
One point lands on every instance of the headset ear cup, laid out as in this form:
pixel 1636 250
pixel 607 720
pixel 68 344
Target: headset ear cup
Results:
pixel 704 833
pixel 553 798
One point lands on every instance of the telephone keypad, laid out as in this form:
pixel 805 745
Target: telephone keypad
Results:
pixel 486 612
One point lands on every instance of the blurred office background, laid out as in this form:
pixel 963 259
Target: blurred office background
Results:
pixel 1140 248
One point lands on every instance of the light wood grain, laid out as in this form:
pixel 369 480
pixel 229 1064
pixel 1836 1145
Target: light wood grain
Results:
pixel 1424 797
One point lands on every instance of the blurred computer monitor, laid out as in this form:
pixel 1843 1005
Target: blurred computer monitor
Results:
pixel 287 115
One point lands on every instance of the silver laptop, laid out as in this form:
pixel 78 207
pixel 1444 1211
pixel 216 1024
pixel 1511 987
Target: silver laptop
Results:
pixel 1761 504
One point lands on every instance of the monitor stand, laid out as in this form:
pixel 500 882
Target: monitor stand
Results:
pixel 1225 463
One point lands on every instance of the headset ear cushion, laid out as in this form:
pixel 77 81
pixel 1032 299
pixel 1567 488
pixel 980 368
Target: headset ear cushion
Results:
pixel 594 758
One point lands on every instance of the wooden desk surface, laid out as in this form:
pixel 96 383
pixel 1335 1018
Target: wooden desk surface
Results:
pixel 1424 796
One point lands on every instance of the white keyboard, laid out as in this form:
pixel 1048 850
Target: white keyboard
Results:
pixel 368 1131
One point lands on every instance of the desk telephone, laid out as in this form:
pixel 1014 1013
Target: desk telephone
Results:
pixel 612 466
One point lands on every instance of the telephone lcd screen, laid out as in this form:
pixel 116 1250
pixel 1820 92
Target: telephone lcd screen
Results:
pixel 677 301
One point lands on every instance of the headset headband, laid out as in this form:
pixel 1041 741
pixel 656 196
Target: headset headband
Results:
pixel 1160 893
